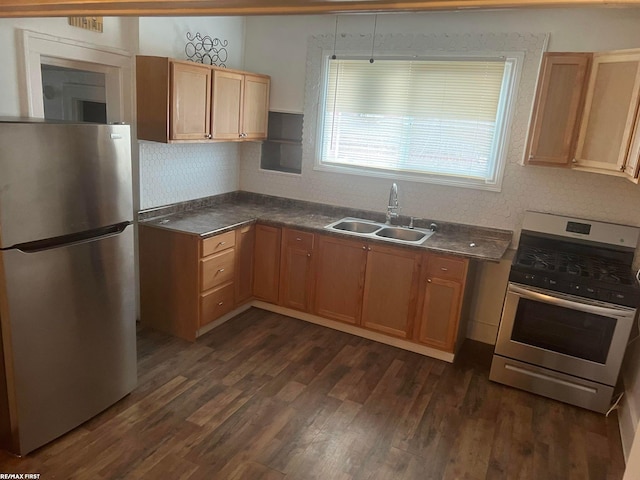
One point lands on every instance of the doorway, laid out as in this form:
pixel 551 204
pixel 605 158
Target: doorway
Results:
pixel 73 95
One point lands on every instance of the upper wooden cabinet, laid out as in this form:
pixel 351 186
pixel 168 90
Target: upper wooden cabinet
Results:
pixel 610 111
pixel 190 99
pixel 558 104
pixel 586 113
pixel 255 106
pixel 240 105
pixel 179 101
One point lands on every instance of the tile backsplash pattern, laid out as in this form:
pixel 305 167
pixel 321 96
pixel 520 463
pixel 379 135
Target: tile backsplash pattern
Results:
pixel 554 190
pixel 171 173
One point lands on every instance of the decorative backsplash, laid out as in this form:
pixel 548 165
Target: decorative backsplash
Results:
pixel 180 172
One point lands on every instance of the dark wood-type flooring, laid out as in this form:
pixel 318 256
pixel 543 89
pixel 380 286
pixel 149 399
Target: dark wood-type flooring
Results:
pixel 268 397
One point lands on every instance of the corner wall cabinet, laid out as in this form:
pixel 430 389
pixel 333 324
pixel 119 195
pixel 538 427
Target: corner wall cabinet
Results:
pixel 596 131
pixel 558 104
pixel 180 101
pixel 393 292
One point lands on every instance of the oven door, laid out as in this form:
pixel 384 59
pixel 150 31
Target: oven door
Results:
pixel 565 333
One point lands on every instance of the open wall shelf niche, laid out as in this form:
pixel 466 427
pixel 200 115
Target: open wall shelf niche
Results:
pixel 282 150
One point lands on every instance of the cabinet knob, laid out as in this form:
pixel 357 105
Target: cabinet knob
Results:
pixel 369 248
pixel 298 239
pixel 221 243
pixel 220 270
pixel 428 280
pixel 364 247
pixel 574 161
pixel 308 255
pixel 220 304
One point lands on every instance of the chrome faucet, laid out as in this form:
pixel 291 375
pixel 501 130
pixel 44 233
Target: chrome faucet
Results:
pixel 393 207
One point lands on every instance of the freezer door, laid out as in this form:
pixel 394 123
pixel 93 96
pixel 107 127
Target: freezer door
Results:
pixel 59 179
pixel 68 331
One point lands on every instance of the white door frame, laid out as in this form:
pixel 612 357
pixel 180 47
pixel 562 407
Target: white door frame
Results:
pixel 117 65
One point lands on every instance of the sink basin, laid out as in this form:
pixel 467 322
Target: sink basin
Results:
pixel 356 226
pixel 380 231
pixel 404 234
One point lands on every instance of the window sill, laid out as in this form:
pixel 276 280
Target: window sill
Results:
pixel 412 177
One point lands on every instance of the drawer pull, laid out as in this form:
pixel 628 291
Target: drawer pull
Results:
pixel 444 269
pixel 428 280
pixel 220 303
pixel 298 239
pixel 221 243
pixel 220 270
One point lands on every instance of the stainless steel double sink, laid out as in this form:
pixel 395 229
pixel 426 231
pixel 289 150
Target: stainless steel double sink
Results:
pixel 370 229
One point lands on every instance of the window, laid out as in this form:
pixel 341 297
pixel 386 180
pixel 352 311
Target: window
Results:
pixel 437 120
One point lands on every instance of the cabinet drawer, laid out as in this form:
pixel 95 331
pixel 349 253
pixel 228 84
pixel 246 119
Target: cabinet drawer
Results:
pixel 218 243
pixel 297 239
pixel 216 303
pixel 217 269
pixel 446 267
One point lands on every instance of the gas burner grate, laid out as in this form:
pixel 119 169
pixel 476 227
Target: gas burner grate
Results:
pixel 590 267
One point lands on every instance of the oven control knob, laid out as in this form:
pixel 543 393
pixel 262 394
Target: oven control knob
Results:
pixel 529 277
pixel 591 290
pixel 552 282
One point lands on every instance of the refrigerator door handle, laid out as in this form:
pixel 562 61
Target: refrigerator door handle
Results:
pixel 72 239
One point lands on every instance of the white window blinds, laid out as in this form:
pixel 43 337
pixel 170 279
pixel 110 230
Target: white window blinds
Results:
pixel 438 117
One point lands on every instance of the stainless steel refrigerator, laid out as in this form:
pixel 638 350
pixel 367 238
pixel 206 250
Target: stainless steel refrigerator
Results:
pixel 67 294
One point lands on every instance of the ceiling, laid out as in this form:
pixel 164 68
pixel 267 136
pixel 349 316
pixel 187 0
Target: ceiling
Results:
pixel 62 8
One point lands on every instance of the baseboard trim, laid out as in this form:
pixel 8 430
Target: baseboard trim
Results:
pixel 482 332
pixel 225 318
pixel 357 331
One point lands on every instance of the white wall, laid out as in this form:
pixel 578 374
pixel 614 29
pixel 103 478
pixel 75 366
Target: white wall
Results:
pixel 176 173
pixel 166 36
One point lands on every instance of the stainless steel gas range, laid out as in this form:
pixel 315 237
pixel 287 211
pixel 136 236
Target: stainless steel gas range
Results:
pixel 570 306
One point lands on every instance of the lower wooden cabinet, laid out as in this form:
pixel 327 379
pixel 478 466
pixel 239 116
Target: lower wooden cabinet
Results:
pixel 390 290
pixel 296 269
pixel 340 271
pixel 442 295
pixel 185 282
pixel 245 245
pixel 266 264
pixel 188 282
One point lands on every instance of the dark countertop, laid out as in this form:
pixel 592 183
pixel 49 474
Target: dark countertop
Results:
pixel 215 215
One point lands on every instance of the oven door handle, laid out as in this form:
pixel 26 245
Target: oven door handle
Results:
pixel 561 302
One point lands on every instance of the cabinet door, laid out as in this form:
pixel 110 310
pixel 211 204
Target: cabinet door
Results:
pixel 340 279
pixel 266 264
pixel 245 244
pixel 255 107
pixel 226 110
pixel 610 111
pixel 390 290
pixel 190 102
pixel 442 286
pixel 557 108
pixel 296 269
pixel 438 321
